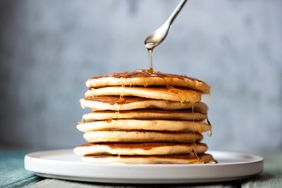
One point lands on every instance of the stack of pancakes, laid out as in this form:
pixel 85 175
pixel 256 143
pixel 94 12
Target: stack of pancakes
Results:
pixel 144 117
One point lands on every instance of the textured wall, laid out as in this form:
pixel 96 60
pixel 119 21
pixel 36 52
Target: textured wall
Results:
pixel 49 48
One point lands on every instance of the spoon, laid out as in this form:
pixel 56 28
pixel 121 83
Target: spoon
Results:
pixel 160 34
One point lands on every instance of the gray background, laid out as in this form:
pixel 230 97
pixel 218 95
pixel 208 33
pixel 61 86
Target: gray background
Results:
pixel 49 48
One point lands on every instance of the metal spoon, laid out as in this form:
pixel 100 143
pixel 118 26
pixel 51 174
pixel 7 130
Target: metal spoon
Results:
pixel 160 34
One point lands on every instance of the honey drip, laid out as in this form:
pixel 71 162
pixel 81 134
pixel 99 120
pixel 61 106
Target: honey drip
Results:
pixel 210 131
pixel 150 53
pixel 181 95
pixel 117 108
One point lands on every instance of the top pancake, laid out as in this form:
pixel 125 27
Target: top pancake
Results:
pixel 145 78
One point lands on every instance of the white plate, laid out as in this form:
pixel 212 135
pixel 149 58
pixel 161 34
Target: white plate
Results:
pixel 63 164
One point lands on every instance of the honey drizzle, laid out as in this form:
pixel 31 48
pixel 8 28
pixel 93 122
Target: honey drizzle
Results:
pixel 117 108
pixel 150 53
pixel 210 131
pixel 181 97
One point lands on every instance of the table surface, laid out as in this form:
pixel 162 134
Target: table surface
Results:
pixel 13 174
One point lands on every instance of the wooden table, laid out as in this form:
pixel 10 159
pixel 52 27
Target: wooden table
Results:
pixel 13 174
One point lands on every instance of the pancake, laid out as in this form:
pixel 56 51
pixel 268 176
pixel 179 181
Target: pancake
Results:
pixel 131 103
pixel 140 149
pixel 145 125
pixel 141 136
pixel 144 114
pixel 170 94
pixel 145 78
pixel 153 159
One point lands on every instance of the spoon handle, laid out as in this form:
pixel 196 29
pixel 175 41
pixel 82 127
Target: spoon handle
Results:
pixel 176 11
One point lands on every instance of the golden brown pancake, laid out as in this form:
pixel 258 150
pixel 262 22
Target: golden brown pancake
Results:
pixel 145 125
pixel 170 94
pixel 99 103
pixel 140 149
pixel 145 78
pixel 141 136
pixel 153 159
pixel 144 114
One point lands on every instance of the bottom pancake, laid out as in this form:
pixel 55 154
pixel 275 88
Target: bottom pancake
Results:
pixel 152 159
pixel 140 148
